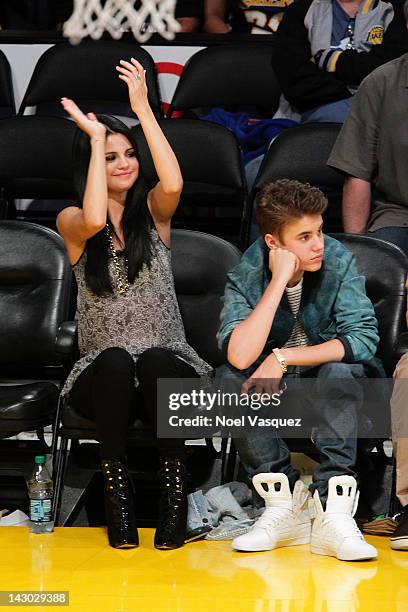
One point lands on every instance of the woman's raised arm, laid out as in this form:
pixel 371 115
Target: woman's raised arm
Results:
pixel 164 197
pixel 75 224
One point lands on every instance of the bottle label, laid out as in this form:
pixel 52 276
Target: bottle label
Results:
pixel 40 510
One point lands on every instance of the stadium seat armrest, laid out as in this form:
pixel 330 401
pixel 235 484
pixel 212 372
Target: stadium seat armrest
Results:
pixel 67 338
pixel 402 345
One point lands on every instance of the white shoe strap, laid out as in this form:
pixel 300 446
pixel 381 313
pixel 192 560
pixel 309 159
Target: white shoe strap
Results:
pixel 272 517
pixel 343 524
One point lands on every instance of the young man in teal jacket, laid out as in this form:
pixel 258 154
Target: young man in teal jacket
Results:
pixel 297 301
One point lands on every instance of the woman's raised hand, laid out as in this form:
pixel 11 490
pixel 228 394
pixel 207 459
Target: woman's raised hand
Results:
pixel 135 78
pixel 88 123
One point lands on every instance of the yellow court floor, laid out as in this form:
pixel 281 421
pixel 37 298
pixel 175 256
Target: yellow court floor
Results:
pixel 203 575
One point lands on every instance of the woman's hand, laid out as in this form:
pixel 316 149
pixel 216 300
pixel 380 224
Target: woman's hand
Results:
pixel 135 78
pixel 87 123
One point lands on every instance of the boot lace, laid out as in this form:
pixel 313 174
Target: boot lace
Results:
pixel 172 476
pixel 118 490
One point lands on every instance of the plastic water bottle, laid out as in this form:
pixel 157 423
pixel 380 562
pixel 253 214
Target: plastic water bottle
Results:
pixel 40 492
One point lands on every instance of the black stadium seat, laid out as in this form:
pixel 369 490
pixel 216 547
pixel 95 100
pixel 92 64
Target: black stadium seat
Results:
pixel 86 73
pixel 210 160
pixel 7 107
pixel 385 267
pixel 230 75
pixel 301 153
pixel 35 298
pixel 35 161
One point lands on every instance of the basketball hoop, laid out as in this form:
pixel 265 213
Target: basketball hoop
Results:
pixel 142 17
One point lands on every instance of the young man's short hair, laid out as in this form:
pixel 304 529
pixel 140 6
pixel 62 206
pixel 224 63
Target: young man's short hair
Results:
pixel 287 200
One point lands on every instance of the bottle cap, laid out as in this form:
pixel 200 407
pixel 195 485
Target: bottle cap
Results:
pixel 40 459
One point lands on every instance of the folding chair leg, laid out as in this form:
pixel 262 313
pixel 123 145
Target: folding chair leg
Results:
pixel 54 433
pixel 59 475
pixel 224 457
pixel 229 461
pixel 395 506
pixel 79 505
pixel 41 437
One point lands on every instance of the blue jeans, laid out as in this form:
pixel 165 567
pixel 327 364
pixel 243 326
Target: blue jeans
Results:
pixel 338 416
pixel 334 112
pixel 396 235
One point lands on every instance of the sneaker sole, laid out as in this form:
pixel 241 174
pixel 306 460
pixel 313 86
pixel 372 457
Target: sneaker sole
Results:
pixel 318 550
pixel 399 544
pixel 280 544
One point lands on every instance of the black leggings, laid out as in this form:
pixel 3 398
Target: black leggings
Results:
pixel 105 393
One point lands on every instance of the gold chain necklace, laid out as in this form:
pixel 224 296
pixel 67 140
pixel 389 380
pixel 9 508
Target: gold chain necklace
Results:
pixel 122 284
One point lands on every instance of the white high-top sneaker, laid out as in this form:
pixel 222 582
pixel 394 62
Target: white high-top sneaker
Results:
pixel 334 532
pixel 285 520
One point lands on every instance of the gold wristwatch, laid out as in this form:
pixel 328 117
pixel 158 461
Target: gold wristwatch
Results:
pixel 281 360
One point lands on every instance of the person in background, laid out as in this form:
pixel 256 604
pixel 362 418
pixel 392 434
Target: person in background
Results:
pixel 399 416
pixel 371 151
pixel 50 14
pixel 323 49
pixel 33 14
pixel 189 14
pixel 251 16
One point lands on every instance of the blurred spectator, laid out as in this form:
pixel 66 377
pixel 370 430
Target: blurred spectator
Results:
pixel 399 413
pixel 34 14
pixel 252 16
pixel 371 150
pixel 189 14
pixel 325 48
pixel 50 14
pixel 25 15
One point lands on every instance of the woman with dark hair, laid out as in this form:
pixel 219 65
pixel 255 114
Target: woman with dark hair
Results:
pixel 129 324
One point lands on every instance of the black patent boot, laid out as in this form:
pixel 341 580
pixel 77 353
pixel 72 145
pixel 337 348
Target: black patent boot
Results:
pixel 119 505
pixel 172 522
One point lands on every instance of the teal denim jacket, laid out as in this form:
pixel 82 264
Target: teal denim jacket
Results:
pixel 334 304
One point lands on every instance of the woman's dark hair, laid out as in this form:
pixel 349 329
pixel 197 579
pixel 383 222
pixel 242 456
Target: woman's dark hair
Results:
pixel 136 220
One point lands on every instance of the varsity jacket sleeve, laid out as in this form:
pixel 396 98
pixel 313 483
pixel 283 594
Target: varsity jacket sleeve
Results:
pixel 352 67
pixel 355 320
pixel 303 84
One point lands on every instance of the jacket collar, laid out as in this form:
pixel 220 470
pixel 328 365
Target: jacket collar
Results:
pixel 365 7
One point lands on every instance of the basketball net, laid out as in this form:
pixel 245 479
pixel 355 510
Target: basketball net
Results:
pixel 93 17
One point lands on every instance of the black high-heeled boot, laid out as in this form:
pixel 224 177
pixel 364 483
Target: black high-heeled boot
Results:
pixel 172 522
pixel 119 505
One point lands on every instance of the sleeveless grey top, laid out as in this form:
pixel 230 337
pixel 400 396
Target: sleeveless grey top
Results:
pixel 146 316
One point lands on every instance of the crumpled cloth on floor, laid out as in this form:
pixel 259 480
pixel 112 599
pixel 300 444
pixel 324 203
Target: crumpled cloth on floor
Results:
pixel 254 135
pixel 222 513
